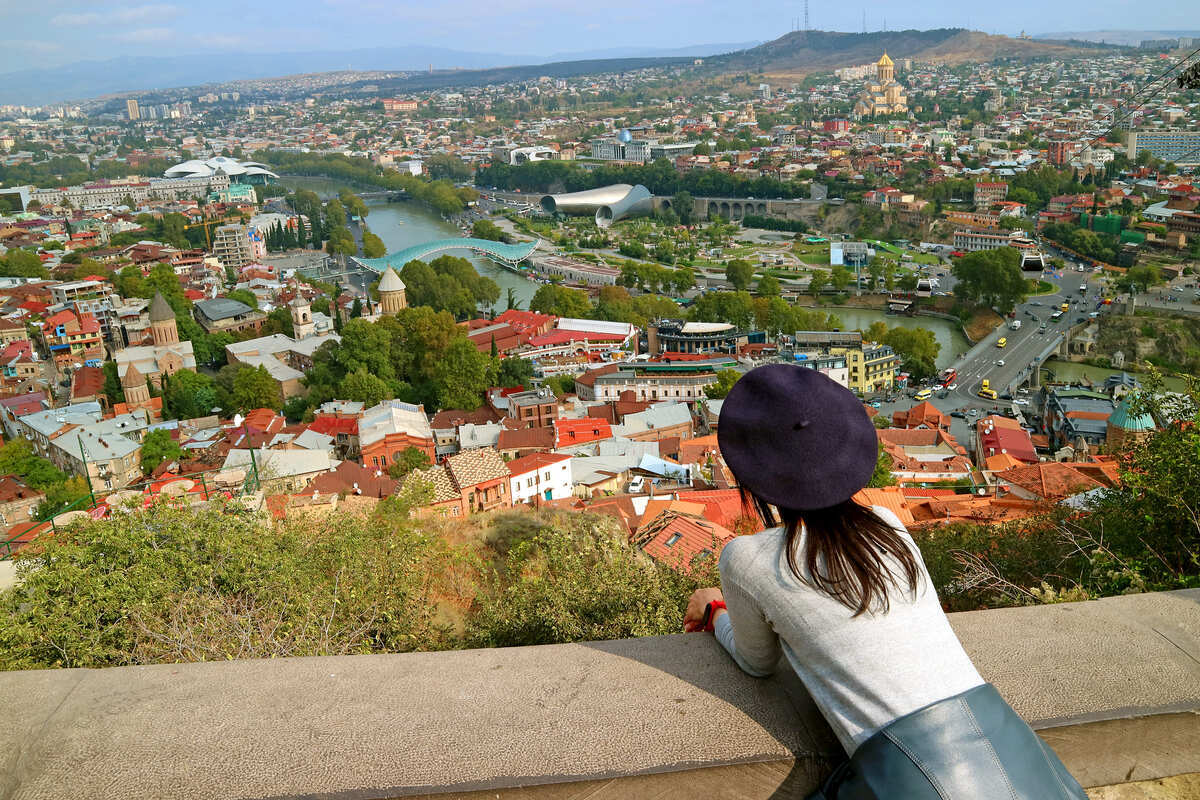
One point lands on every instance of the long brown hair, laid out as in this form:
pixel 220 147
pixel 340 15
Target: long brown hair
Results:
pixel 845 552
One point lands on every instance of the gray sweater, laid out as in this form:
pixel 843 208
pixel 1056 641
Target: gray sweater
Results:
pixel 862 672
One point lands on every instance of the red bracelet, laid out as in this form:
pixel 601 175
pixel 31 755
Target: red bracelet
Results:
pixel 710 614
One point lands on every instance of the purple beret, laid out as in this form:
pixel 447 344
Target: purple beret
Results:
pixel 796 438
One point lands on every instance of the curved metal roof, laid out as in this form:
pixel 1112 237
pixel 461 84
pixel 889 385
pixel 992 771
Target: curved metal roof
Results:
pixel 202 168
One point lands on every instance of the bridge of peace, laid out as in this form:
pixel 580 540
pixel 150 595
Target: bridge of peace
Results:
pixel 1112 685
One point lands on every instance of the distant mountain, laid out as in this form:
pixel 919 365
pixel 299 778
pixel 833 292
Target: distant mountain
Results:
pixel 1122 37
pixel 694 51
pixel 87 79
pixel 800 52
pixel 444 79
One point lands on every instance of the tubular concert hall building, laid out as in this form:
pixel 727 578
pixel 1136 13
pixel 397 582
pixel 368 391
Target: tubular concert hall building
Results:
pixel 238 171
pixel 608 203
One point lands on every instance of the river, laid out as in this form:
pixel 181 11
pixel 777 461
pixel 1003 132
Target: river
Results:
pixel 945 332
pixel 405 224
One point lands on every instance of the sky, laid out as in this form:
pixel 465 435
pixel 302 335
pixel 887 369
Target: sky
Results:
pixel 46 33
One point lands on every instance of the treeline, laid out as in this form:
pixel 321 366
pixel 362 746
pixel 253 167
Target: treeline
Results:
pixel 441 195
pixel 1093 244
pixel 614 303
pixel 449 284
pixel 660 177
pixel 774 224
pixel 69 171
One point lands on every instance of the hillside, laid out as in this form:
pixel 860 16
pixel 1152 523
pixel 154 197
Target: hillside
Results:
pixel 801 52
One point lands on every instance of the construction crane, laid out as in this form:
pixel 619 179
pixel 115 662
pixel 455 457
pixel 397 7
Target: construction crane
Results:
pixel 206 225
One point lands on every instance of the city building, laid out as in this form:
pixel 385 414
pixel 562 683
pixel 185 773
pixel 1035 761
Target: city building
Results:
pixel 223 315
pixel 988 192
pixel 535 408
pixel 871 367
pixel 471 481
pixel 388 429
pixel 884 95
pixel 238 171
pixel 1179 147
pixel 392 290
pixel 1126 428
pixel 167 355
pixel 237 245
pixel 18 502
pixel 539 477
pixel 1002 436
pixel 73 338
pixel 1075 416
pixel 131 109
pixel 284 358
pixel 682 381
pixel 677 336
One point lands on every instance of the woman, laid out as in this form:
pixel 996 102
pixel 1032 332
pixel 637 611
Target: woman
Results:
pixel 840 590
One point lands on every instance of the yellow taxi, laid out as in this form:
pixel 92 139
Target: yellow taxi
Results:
pixel 1001 342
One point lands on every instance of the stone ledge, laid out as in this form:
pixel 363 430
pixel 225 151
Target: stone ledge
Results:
pixel 1113 685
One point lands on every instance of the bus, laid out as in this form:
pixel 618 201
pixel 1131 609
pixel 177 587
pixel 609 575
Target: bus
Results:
pixel 986 390
pixel 947 377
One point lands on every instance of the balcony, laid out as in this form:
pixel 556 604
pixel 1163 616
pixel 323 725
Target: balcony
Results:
pixel 1113 685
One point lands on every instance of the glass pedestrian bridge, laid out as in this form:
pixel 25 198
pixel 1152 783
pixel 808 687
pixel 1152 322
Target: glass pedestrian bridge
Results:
pixel 508 255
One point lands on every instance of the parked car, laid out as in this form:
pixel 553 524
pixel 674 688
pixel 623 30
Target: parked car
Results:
pixel 959 414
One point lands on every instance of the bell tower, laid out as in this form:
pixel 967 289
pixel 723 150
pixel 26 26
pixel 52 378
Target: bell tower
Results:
pixel 162 321
pixel 302 321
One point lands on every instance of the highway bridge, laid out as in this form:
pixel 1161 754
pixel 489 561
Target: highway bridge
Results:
pixel 507 255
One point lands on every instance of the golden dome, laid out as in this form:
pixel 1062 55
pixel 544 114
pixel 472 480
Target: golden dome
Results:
pixel 885 61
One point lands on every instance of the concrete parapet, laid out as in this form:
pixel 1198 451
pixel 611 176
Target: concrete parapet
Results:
pixel 1113 685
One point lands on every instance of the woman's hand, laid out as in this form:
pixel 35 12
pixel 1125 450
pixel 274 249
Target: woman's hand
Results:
pixel 694 616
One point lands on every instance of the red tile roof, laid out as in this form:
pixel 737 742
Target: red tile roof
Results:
pixel 332 426
pixel 558 336
pixel 1050 480
pixel 568 432
pixel 535 461
pixel 678 539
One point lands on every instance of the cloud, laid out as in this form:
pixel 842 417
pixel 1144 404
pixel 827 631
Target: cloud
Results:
pixel 145 35
pixel 29 45
pixel 152 12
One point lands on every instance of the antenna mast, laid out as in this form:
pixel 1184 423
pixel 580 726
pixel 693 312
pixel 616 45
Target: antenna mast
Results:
pixel 806 29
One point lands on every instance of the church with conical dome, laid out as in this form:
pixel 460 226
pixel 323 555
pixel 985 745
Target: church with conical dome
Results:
pixel 884 95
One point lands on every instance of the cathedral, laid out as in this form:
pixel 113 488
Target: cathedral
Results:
pixel 882 95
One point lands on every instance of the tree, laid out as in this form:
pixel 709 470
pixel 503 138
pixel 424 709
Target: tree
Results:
pixel 17 458
pixel 991 278
pixel 243 296
pixel 684 207
pixel 739 272
pixel 189 394
pixel 882 476
pixel 768 286
pixel 335 214
pixel 363 387
pixel 917 348
pixel 510 299
pixel 840 277
pixel 407 460
pixel 62 495
pixel 22 264
pixel 817 281
pixel 726 378
pixel 560 301
pixel 736 308
pixel 112 384
pixel 908 281
pixel 486 229
pixel 157 447
pixel 373 246
pixel 1139 278
pixel 462 375
pixel 253 387
pixel 515 372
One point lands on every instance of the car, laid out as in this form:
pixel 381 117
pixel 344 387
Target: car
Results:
pixel 1035 303
pixel 1002 341
pixel 974 412
pixel 1000 362
pixel 959 414
pixel 950 387
pixel 876 404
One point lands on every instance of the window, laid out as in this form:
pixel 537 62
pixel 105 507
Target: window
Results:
pixel 547 475
pixel 528 482
pixel 675 537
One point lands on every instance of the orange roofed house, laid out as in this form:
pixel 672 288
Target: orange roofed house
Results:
pixel 390 428
pixel 72 337
pixel 470 481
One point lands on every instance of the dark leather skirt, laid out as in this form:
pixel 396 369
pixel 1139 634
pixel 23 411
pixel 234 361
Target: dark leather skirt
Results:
pixel 971 746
